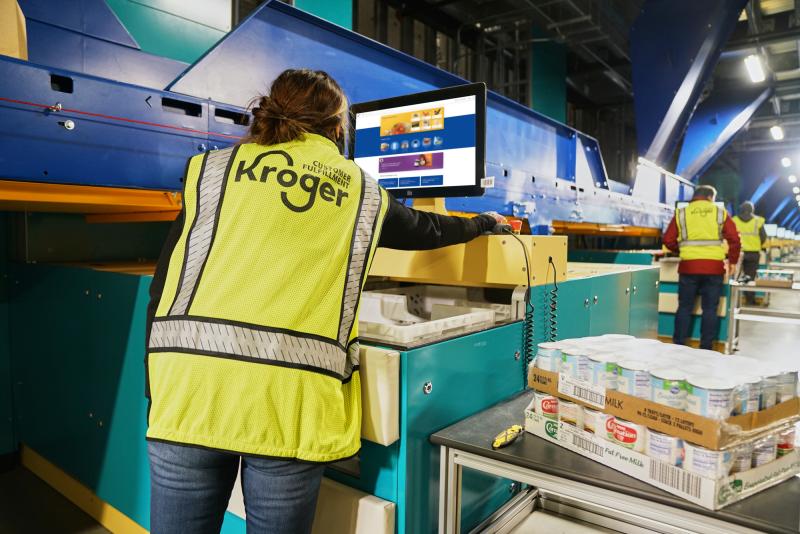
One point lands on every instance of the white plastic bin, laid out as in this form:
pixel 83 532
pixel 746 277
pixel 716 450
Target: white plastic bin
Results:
pixel 424 313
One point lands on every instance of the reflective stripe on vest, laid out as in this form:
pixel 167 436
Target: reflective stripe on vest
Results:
pixel 215 168
pixel 363 231
pixel 254 346
pixel 698 236
pixel 218 338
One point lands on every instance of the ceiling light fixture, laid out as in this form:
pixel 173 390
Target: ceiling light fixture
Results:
pixel 754 68
pixel 792 179
pixel 785 161
pixel 796 190
pixel 776 132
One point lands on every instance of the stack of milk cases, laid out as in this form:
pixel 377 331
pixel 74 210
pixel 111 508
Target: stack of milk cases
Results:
pixel 701 382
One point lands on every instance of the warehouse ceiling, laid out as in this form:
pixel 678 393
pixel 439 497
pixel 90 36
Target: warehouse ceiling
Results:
pixel 595 33
pixel 770 28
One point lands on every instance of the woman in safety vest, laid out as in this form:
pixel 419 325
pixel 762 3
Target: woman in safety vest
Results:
pixel 252 350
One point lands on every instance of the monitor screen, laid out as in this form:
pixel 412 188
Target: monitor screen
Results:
pixel 426 144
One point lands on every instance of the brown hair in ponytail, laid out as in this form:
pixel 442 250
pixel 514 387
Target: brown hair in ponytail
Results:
pixel 300 101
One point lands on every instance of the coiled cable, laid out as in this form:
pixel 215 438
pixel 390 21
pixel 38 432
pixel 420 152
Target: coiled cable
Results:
pixel 552 303
pixel 527 324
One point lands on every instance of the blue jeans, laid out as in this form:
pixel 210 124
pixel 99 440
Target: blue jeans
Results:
pixel 709 287
pixel 190 489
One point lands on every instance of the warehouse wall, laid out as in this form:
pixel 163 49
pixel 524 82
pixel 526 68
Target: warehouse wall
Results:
pixel 173 28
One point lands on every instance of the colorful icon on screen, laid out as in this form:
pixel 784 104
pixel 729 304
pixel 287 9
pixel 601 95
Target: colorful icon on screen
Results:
pixel 426 141
pixel 404 145
pixel 437 141
pixel 395 145
pixel 384 147
pixel 415 143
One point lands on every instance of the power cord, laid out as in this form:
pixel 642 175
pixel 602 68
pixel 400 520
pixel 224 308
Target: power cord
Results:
pixel 527 325
pixel 552 326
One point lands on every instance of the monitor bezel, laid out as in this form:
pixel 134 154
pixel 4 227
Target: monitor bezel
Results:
pixel 478 90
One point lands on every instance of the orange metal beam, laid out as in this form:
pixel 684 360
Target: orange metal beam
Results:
pixel 126 204
pixel 586 228
pixel 149 216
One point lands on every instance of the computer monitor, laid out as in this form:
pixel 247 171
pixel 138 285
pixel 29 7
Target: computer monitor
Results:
pixel 429 144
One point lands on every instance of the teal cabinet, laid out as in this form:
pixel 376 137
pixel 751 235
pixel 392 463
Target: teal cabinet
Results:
pixel 574 308
pixel 644 304
pixel 623 302
pixel 466 374
pixel 610 306
pixel 77 361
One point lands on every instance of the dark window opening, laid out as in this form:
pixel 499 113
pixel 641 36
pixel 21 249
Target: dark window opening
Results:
pixel 231 117
pixel 181 108
pixel 62 84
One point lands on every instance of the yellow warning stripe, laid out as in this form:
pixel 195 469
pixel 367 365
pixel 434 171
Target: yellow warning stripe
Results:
pixel 80 495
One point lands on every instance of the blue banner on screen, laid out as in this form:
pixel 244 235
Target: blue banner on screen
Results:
pixel 431 144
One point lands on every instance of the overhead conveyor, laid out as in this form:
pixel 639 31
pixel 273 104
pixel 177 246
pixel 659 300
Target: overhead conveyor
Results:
pixel 90 108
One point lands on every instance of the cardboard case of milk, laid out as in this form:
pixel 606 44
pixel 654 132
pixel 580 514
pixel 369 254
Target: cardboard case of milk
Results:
pixel 710 428
pixel 711 493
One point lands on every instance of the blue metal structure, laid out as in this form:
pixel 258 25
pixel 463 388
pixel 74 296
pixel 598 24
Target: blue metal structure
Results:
pixel 124 113
pixel 87 37
pixel 767 184
pixel 714 124
pixel 763 187
pixel 776 213
pixel 675 45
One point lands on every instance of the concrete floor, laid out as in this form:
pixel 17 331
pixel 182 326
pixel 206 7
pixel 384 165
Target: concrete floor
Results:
pixel 29 506
pixel 771 341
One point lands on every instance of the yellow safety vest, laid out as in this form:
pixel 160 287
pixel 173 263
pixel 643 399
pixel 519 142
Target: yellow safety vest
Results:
pixel 700 231
pixel 749 231
pixel 254 345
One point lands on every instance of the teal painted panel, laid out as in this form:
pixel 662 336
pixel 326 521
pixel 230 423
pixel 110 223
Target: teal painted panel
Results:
pixel 233 524
pixel 574 301
pixel 610 314
pixel 8 441
pixel 611 256
pixel 161 32
pixel 78 348
pixel 379 474
pixel 337 11
pixel 668 287
pixel 548 78
pixel 644 304
pixel 468 374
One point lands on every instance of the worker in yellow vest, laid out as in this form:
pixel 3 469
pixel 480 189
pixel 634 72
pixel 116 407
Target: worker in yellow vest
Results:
pixel 252 350
pixel 753 236
pixel 697 232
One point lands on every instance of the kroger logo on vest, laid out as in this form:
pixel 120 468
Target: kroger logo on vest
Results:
pixel 291 180
pixel 702 211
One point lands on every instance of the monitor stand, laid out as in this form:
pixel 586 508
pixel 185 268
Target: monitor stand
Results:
pixel 433 205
